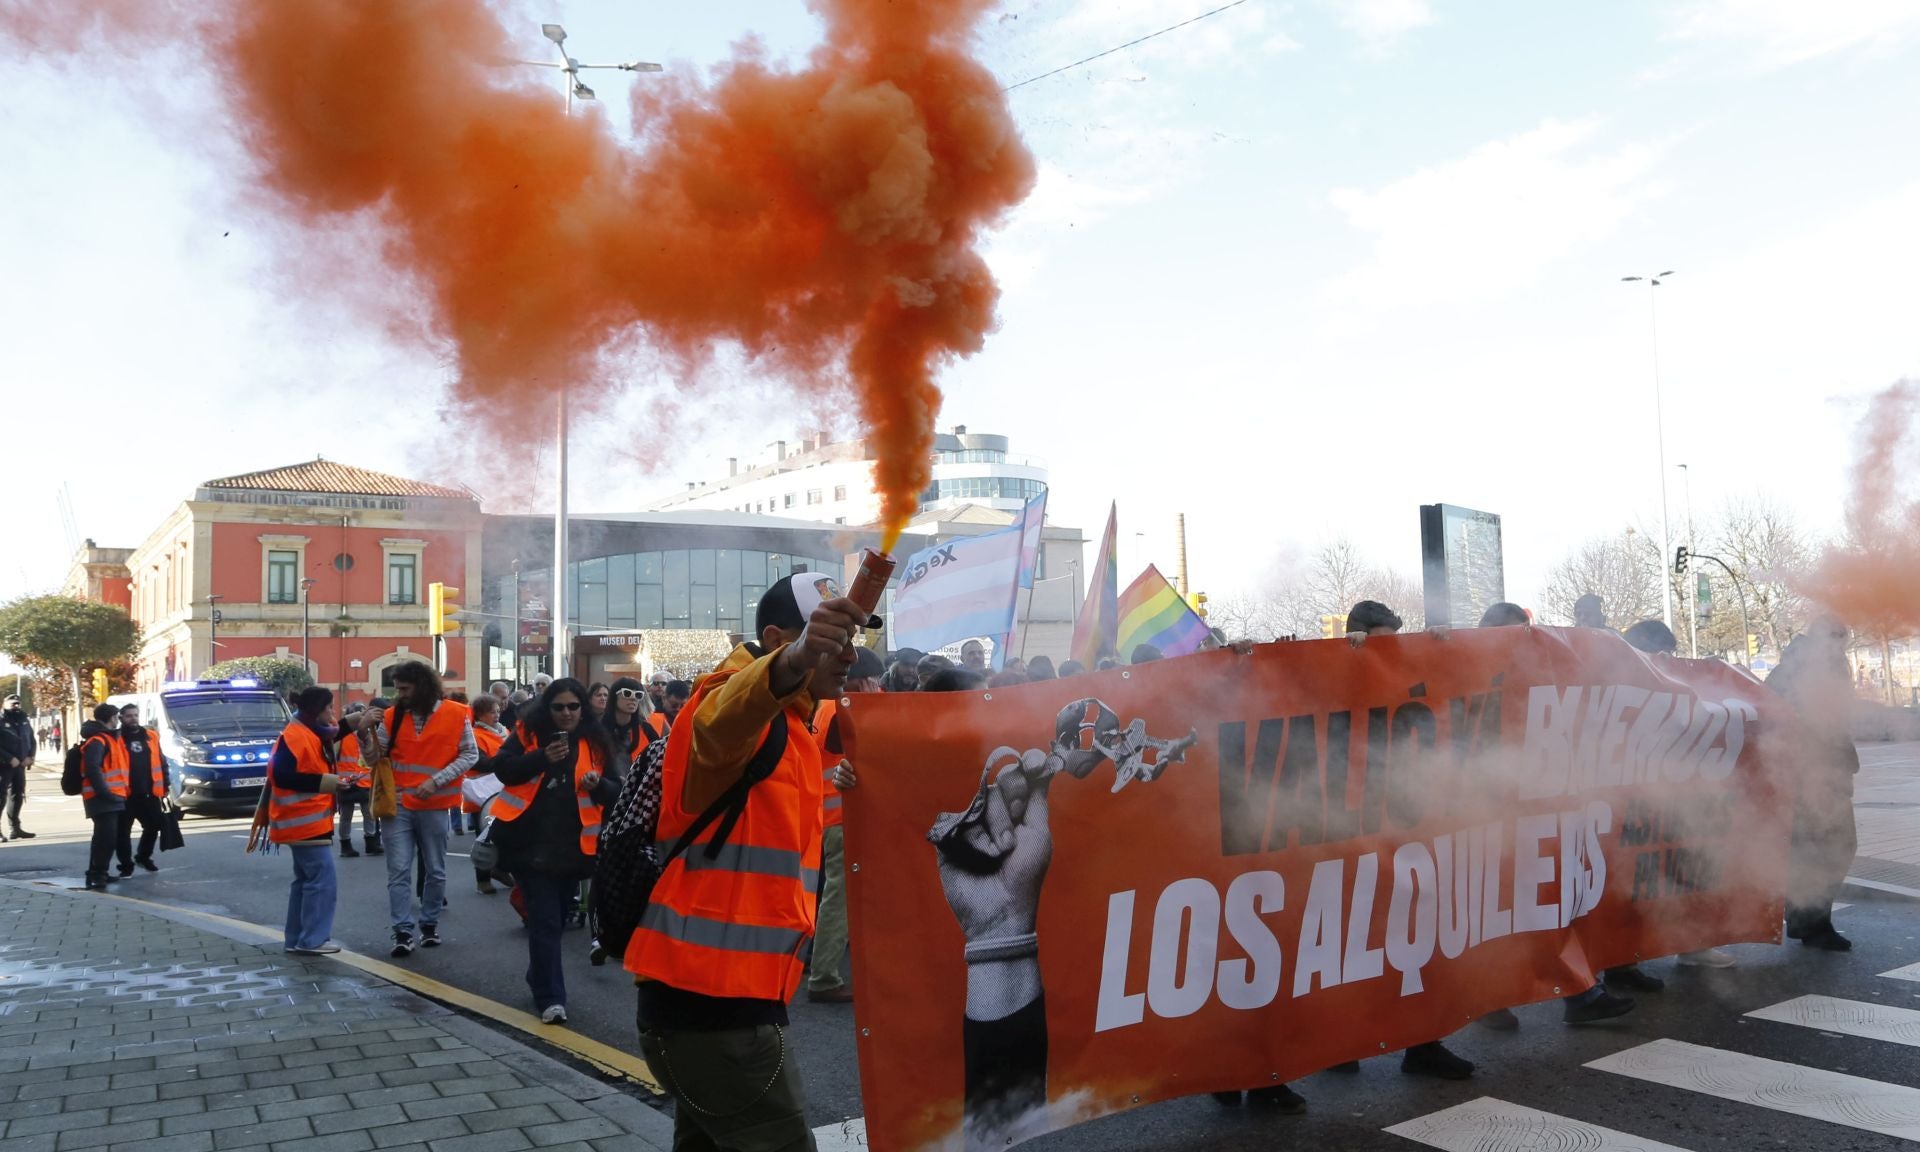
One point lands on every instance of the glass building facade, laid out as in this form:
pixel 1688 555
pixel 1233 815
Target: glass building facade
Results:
pixel 678 587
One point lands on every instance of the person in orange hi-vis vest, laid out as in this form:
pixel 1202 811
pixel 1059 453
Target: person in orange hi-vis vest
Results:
pixel 480 784
pixel 103 789
pixel 430 740
pixel 824 982
pixel 558 772
pixel 719 951
pixel 356 788
pixel 148 783
pixel 302 778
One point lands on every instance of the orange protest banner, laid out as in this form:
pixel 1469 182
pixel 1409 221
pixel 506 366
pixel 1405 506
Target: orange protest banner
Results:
pixel 1075 897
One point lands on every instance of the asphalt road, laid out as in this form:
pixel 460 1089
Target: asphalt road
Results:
pixel 1542 1067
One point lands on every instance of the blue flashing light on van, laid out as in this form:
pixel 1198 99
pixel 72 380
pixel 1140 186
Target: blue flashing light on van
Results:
pixel 218 735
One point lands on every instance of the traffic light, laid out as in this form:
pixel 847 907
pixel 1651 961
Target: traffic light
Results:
pixel 1332 627
pixel 1703 598
pixel 1199 602
pixel 1680 560
pixel 442 612
pixel 1753 645
pixel 100 687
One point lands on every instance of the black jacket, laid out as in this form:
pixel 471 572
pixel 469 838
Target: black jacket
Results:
pixel 94 768
pixel 16 738
pixel 549 842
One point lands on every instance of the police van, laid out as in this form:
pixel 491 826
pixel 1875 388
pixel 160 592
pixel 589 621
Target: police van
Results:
pixel 217 734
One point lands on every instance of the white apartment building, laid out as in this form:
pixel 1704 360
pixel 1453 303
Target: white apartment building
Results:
pixel 832 482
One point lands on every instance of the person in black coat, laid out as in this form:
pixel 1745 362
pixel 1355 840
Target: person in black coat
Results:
pixel 16 756
pixel 147 772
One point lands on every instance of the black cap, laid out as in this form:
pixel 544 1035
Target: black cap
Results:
pixel 867 665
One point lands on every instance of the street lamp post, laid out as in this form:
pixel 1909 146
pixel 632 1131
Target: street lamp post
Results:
pixel 213 629
pixel 1693 588
pixel 306 625
pixel 570 70
pixel 1660 433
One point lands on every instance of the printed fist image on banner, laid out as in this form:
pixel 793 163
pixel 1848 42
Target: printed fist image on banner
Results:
pixel 1306 855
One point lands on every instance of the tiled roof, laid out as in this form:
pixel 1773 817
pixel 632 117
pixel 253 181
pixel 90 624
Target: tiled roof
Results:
pixel 344 479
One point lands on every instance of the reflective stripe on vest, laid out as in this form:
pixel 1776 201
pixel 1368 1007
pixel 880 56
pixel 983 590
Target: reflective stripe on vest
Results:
pixel 418 756
pixel 113 768
pixel 511 801
pixel 353 773
pixel 292 816
pixel 735 926
pixel 830 802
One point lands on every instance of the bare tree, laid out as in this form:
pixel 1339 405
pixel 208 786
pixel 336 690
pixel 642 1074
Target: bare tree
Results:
pixel 1401 593
pixel 1615 568
pixel 1760 541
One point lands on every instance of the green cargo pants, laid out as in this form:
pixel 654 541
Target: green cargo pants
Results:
pixel 733 1091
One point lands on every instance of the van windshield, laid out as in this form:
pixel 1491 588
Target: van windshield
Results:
pixel 217 717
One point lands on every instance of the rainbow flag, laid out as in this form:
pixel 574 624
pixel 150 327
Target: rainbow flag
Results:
pixel 1093 631
pixel 1152 612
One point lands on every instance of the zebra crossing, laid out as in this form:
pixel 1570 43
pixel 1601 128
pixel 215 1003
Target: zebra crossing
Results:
pixel 1845 1101
pixel 1489 1124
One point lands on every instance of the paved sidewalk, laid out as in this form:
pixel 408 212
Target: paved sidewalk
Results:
pixel 1886 808
pixel 120 1028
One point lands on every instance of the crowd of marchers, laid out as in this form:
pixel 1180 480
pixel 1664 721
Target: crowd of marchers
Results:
pixel 746 765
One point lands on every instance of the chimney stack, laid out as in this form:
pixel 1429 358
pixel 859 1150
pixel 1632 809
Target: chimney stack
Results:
pixel 733 465
pixel 779 450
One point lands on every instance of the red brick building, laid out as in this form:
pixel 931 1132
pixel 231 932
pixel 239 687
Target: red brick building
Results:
pixel 318 556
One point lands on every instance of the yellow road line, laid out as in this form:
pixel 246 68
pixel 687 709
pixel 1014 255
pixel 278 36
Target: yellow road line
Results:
pixel 602 1056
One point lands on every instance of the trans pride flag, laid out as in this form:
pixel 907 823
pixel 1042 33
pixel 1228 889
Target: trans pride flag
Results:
pixel 1152 612
pixel 1093 631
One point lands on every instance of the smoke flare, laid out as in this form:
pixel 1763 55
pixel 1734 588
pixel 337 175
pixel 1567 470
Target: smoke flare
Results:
pixel 1872 579
pixel 824 218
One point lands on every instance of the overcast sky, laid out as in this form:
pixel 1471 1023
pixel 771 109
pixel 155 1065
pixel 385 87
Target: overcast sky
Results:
pixel 1293 270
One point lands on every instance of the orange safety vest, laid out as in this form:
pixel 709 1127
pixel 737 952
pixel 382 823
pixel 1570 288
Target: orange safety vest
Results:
pixel 657 721
pixel 830 796
pixel 418 755
pixel 114 767
pixel 735 925
pixel 517 798
pixel 156 770
pixel 490 743
pixel 353 773
pixel 295 817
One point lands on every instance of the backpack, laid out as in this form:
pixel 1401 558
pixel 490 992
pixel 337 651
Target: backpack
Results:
pixel 73 773
pixel 628 862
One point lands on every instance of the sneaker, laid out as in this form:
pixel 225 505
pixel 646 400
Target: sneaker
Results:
pixel 554 1014
pixel 1707 958
pixel 147 863
pixel 402 942
pixel 1630 978
pixel 840 995
pixel 597 955
pixel 347 851
pixel 1605 1006
pixel 1500 1020
pixel 485 887
pixel 1278 1098
pixel 326 949
pixel 1433 1059
pixel 429 935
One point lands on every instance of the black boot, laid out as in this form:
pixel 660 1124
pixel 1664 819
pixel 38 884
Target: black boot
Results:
pixel 347 850
pixel 373 847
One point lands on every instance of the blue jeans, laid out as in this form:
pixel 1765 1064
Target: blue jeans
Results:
pixel 311 897
pixel 547 897
pixel 402 834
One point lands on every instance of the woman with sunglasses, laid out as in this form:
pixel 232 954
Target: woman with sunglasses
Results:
pixel 547 822
pixel 626 719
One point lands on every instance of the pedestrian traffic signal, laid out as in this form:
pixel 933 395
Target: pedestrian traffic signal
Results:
pixel 1703 598
pixel 1333 626
pixel 100 687
pixel 442 612
pixel 1680 560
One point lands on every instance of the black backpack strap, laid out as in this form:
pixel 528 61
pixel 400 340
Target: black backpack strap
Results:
pixel 732 803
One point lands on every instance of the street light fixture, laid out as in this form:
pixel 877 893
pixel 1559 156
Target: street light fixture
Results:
pixel 1660 432
pixel 570 70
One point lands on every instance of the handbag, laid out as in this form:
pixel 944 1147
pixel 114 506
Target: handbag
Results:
pixel 170 835
pixel 386 793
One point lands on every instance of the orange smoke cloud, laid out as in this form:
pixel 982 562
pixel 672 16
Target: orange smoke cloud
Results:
pixel 1872 580
pixel 825 218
